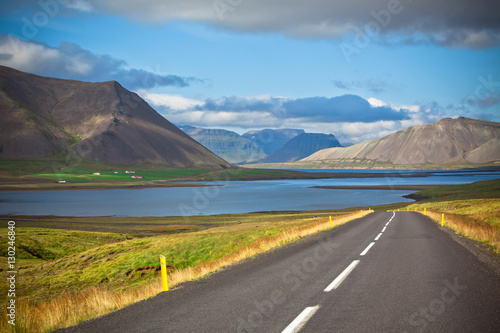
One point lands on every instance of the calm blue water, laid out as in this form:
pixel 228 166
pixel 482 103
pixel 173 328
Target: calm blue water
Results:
pixel 231 197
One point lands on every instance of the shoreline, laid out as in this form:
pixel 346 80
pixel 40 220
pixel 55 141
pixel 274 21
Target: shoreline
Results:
pixel 70 187
pixel 23 184
pixel 378 187
pixel 195 182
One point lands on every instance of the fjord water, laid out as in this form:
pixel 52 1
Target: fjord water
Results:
pixel 229 197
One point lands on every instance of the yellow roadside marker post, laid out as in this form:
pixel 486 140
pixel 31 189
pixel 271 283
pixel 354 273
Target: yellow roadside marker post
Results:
pixel 442 220
pixel 163 264
pixel 361 212
pixel 425 211
pixel 407 208
pixel 331 225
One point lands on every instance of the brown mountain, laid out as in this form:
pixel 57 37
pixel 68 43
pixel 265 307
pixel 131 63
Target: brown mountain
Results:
pixel 103 122
pixel 448 141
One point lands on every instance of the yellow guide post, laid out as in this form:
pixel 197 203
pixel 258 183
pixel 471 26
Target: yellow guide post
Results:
pixel 442 220
pixel 425 211
pixel 163 264
pixel 361 212
pixel 415 208
pixel 331 225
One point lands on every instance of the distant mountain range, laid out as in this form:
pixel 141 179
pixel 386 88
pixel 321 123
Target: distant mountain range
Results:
pixel 302 146
pixel 270 140
pixel 446 142
pixel 227 144
pixel 283 145
pixel 104 122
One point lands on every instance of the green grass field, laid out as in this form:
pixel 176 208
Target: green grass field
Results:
pixel 482 189
pixel 81 175
pixel 18 174
pixel 61 261
pixel 110 245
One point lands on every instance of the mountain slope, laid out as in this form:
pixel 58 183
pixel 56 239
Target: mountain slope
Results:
pixel 227 144
pixel 103 122
pixel 270 140
pixel 487 152
pixel 301 146
pixel 459 140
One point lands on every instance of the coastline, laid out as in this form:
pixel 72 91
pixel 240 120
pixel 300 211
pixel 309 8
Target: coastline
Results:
pixel 205 180
pixel 378 187
pixel 65 187
pixel 40 185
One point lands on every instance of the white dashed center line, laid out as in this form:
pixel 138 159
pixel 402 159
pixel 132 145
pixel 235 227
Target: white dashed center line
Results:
pixel 342 276
pixel 367 249
pixel 301 319
pixel 308 312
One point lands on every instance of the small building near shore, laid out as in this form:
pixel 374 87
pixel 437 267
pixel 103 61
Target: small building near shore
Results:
pixel 137 177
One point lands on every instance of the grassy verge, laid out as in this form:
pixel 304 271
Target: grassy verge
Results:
pixel 477 219
pixel 83 274
pixel 471 210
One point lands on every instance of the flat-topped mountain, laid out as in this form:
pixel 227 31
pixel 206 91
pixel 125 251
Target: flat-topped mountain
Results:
pixel 270 140
pixel 448 141
pixel 227 144
pixel 103 122
pixel 302 146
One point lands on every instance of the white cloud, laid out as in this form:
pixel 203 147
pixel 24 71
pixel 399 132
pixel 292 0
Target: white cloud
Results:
pixel 173 102
pixel 259 112
pixel 70 61
pixel 223 119
pixel 376 102
pixel 26 56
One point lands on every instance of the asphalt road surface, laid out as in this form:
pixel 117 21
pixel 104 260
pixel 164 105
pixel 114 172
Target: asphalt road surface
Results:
pixel 386 272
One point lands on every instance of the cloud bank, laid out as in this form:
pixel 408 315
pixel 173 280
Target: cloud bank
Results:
pixel 451 23
pixel 70 61
pixel 351 118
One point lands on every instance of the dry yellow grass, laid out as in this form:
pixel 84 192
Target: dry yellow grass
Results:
pixel 67 310
pixel 469 227
pixel 478 219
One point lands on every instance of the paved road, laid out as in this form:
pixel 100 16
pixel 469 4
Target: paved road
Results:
pixel 386 272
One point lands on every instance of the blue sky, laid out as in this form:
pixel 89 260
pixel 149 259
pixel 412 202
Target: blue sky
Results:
pixel 358 69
